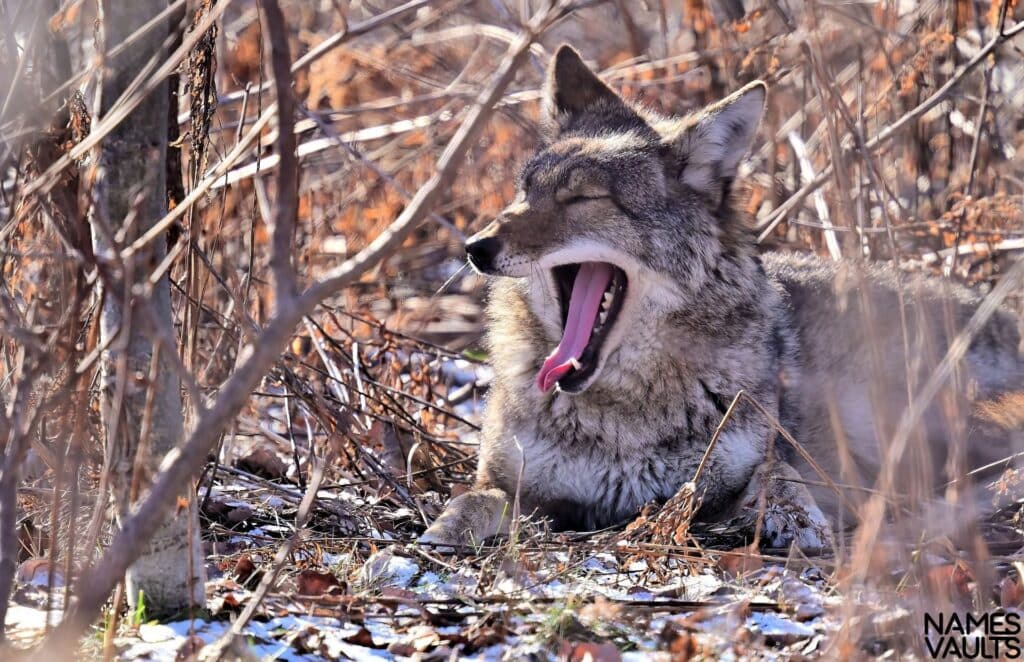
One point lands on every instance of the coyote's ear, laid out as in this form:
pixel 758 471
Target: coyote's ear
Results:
pixel 708 149
pixel 572 89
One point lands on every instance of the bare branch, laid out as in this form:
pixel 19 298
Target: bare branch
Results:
pixel 287 202
pixel 197 193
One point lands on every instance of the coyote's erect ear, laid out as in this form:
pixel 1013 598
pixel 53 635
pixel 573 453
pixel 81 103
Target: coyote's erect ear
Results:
pixel 574 92
pixel 708 147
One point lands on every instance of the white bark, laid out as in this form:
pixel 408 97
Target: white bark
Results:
pixel 130 188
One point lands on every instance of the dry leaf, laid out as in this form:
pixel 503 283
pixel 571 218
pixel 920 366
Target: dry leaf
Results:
pixel 589 652
pixel 741 561
pixel 311 582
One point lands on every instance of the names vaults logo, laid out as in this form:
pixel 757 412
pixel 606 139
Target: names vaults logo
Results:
pixel 987 636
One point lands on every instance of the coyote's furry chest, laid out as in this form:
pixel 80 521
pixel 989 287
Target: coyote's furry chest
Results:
pixel 589 466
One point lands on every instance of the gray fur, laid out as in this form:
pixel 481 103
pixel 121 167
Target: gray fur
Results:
pixel 704 318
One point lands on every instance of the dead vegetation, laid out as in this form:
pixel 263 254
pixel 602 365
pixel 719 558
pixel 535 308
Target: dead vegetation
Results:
pixel 327 162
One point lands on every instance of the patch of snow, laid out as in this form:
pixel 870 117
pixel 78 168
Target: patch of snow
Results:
pixel 429 579
pixel 161 642
pixel 458 371
pixel 29 619
pixel 470 408
pixel 385 568
pixel 698 587
pixel 154 633
pixel 774 625
pixel 331 560
pixel 377 534
pixel 646 656
pixel 276 528
pixel 603 562
pixel 273 501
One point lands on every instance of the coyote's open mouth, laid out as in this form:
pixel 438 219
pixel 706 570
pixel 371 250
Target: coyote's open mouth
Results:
pixel 591 295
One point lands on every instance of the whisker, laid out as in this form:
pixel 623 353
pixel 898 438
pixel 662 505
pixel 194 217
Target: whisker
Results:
pixel 450 280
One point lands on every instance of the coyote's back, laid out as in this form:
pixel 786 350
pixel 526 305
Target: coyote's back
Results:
pixel 869 339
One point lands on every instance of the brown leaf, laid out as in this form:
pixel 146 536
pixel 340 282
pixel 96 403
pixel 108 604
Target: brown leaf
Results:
pixel 682 647
pixel 190 649
pixel 601 609
pixel 485 632
pixel 741 561
pixel 37 571
pixel 238 515
pixel 588 651
pixel 362 638
pixel 423 638
pixel 401 649
pixel 66 17
pixel 301 345
pixel 245 569
pixel 398 593
pixel 807 611
pixel 951 583
pixel 311 582
pixel 263 462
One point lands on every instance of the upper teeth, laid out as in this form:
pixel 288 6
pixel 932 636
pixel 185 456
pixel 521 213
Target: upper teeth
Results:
pixel 607 301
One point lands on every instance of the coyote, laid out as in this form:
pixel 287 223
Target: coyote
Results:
pixel 630 306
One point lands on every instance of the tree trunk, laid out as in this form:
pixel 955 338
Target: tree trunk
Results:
pixel 142 403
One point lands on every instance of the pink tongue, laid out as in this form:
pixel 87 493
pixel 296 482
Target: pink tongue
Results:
pixel 588 290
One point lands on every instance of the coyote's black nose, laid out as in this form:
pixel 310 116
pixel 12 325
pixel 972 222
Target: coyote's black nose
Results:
pixel 482 252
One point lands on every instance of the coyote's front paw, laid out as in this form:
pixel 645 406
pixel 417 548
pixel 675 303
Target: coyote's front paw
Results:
pixel 468 520
pixel 440 539
pixel 791 515
pixel 804 525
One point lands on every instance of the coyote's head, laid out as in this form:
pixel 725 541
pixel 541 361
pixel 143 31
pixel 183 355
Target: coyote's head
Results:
pixel 622 215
